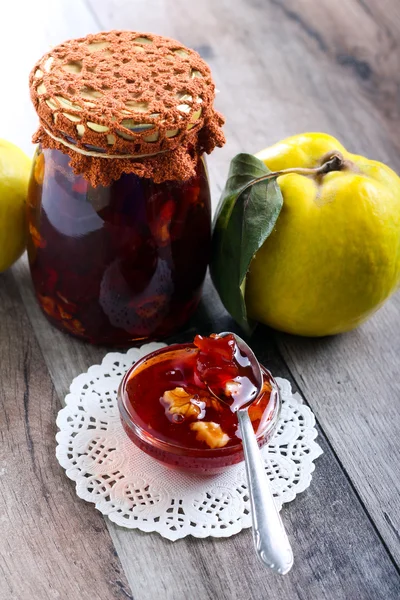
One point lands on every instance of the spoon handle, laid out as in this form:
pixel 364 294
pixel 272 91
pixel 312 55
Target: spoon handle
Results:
pixel 270 539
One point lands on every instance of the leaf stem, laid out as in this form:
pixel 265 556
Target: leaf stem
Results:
pixel 332 162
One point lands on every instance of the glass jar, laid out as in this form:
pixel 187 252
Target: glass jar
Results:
pixel 117 264
pixel 119 203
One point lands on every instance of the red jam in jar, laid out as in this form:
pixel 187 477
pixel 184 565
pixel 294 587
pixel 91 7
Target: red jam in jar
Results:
pixel 168 410
pixel 116 264
pixel 119 204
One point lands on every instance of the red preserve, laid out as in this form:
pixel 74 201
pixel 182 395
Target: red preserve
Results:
pixel 167 408
pixel 119 203
pixel 119 263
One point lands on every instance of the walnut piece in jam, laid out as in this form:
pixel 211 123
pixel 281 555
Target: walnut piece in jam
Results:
pixel 169 397
pixel 210 433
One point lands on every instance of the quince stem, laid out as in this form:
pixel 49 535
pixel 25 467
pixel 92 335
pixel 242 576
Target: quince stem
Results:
pixel 332 162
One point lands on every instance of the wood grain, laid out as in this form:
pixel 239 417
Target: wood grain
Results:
pixel 339 554
pixel 352 383
pixel 52 545
pixel 362 39
pixel 27 31
pixel 282 67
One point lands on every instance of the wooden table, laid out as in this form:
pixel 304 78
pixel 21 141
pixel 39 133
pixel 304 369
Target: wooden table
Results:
pixel 281 67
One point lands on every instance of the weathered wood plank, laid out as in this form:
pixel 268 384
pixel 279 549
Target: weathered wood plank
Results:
pixel 338 552
pixel 362 38
pixel 352 383
pixel 52 544
pixel 27 31
pixel 281 68
pixel 275 79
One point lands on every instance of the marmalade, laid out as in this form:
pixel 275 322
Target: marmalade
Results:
pixel 119 204
pixel 169 395
pixel 121 263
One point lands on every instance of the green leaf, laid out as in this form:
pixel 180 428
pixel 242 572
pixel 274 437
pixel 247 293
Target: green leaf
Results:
pixel 244 220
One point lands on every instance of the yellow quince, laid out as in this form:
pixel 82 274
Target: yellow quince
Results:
pixel 15 169
pixel 333 257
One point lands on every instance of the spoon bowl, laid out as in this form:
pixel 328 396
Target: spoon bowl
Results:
pixel 255 365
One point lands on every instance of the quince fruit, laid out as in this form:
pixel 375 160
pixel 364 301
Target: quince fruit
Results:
pixel 15 169
pixel 333 257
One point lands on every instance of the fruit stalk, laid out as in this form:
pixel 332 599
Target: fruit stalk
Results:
pixel 332 162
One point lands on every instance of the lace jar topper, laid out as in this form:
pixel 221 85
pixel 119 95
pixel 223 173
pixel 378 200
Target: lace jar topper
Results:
pixel 119 204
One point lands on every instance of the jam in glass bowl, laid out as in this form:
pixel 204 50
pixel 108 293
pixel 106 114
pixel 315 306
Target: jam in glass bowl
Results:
pixel 168 412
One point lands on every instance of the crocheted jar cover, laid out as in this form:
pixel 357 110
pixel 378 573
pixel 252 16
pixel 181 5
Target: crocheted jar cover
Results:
pixel 141 99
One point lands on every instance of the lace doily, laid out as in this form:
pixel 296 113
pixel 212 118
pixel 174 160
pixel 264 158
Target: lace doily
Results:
pixel 137 492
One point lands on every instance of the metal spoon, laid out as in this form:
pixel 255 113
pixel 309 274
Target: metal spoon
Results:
pixel 270 539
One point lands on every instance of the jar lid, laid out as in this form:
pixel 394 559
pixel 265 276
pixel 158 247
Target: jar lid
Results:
pixel 139 98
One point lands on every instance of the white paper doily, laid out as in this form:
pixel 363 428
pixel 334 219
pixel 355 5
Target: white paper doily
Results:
pixel 135 491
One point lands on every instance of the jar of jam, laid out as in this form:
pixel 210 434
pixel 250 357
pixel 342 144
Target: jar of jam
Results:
pixel 119 204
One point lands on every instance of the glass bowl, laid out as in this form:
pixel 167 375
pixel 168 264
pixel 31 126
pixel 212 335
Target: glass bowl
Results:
pixel 207 461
